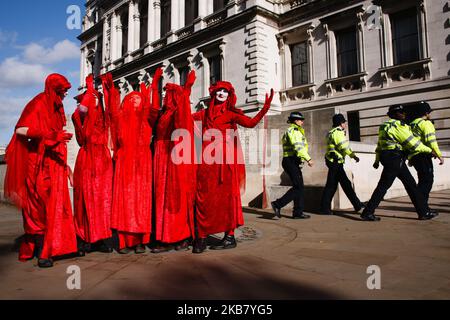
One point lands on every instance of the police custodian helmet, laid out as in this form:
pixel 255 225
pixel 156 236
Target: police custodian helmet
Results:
pixel 295 116
pixel 396 108
pixel 338 119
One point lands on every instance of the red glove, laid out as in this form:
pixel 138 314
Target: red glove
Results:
pixel 63 136
pixel 268 101
pixel 156 77
pixel 190 80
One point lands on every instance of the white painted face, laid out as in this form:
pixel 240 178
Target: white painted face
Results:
pixel 222 95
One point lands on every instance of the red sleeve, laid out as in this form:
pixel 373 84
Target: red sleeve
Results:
pixel 248 122
pixel 78 125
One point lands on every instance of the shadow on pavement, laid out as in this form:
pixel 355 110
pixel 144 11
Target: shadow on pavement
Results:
pixel 232 278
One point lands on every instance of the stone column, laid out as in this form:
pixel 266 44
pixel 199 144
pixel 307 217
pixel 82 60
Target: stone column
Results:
pixel 131 25
pixel 202 9
pixel 175 15
pixel 106 54
pixel 113 46
pixel 137 26
pixel 205 8
pixel 82 64
pixel 150 27
pixel 118 48
pixel 157 19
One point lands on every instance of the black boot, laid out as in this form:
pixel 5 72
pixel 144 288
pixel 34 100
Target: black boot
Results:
pixel 199 245
pixel 276 210
pixel 228 242
pixel 106 246
pixel 429 215
pixel 81 246
pixel 139 249
pixel 42 263
pixel 45 263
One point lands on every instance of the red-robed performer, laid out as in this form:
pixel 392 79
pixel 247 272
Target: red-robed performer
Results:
pixel 37 175
pixel 93 173
pixel 174 170
pixel 132 187
pixel 221 177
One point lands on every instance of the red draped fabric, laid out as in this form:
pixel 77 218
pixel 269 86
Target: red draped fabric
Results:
pixel 174 168
pixel 93 172
pixel 132 189
pixel 219 185
pixel 36 177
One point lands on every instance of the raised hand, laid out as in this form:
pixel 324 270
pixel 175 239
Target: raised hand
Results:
pixel 190 80
pixel 90 83
pixel 269 99
pixel 156 77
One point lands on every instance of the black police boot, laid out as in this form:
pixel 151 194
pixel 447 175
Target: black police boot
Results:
pixel 429 215
pixel 300 216
pixel 228 242
pixel 325 212
pixel 276 210
pixel 199 245
pixel 369 217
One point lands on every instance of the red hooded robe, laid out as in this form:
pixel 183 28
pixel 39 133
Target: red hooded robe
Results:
pixel 132 188
pixel 93 172
pixel 219 185
pixel 174 182
pixel 36 176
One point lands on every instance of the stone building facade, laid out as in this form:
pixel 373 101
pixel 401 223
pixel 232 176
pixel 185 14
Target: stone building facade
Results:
pixel 321 57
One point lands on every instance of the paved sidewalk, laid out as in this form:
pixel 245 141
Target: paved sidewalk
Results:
pixel 325 257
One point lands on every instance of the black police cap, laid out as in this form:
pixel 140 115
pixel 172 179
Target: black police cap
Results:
pixel 296 116
pixel 423 107
pixel 396 108
pixel 338 119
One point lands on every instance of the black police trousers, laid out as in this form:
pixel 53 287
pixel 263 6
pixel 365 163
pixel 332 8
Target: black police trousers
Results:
pixel 291 166
pixel 394 166
pixel 337 175
pixel 423 163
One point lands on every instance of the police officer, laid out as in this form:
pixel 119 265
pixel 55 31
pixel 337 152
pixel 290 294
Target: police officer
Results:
pixel 424 130
pixel 295 152
pixel 337 149
pixel 395 140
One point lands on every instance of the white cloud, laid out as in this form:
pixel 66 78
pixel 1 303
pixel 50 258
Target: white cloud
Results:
pixel 15 73
pixel 61 51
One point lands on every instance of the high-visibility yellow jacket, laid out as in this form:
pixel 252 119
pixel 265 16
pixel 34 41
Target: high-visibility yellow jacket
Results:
pixel 396 135
pixel 425 131
pixel 338 146
pixel 295 143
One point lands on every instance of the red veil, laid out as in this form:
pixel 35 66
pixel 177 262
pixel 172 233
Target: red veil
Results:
pixel 36 176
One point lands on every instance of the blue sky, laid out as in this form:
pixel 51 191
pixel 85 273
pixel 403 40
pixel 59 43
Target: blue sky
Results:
pixel 34 41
